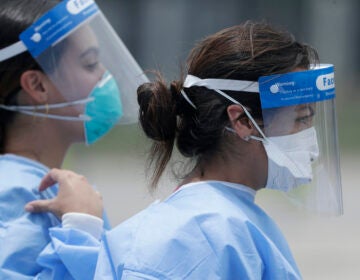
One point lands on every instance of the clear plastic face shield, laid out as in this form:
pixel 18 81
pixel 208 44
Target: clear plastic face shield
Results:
pixel 299 133
pixel 95 77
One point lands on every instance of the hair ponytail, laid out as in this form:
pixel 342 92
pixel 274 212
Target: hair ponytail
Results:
pixel 158 118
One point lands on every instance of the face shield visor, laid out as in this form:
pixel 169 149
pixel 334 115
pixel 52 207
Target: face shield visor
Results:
pixel 299 120
pixel 299 133
pixel 94 75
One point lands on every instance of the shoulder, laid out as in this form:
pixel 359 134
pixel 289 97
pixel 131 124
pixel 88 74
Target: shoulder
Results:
pixel 160 242
pixel 19 182
pixel 197 210
pixel 20 178
pixel 205 232
pixel 191 231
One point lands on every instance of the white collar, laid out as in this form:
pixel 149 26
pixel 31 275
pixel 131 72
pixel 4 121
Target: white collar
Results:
pixel 240 187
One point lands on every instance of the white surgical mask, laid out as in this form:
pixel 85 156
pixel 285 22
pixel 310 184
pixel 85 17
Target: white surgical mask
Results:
pixel 290 159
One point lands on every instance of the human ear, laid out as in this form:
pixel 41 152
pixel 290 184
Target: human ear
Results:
pixel 36 86
pixel 240 122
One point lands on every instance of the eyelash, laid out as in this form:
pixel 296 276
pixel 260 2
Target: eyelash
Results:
pixel 305 118
pixel 308 117
pixel 92 66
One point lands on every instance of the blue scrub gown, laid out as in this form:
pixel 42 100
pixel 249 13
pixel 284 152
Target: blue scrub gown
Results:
pixel 22 235
pixel 205 230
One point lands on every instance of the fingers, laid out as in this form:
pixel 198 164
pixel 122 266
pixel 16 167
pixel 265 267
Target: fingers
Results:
pixel 49 179
pixel 99 194
pixel 75 194
pixel 54 176
pixel 38 206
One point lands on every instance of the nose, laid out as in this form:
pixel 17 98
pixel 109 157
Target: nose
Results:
pixel 101 71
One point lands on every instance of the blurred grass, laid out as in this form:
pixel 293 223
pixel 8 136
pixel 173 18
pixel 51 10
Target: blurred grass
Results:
pixel 121 141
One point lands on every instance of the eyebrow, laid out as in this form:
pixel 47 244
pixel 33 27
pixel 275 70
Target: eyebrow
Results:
pixel 303 107
pixel 91 50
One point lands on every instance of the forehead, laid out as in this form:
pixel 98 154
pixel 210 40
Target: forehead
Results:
pixel 82 39
pixel 288 120
pixel 287 112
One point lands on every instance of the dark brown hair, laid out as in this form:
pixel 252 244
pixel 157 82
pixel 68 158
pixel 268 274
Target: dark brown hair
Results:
pixel 242 52
pixel 15 17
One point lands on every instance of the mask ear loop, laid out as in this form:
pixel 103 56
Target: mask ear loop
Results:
pixel 47 108
pixel 264 139
pixel 30 110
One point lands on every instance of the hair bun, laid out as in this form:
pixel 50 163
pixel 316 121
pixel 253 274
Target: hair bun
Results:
pixel 157 114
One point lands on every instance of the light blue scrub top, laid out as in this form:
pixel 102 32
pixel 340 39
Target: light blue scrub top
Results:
pixel 205 230
pixel 22 235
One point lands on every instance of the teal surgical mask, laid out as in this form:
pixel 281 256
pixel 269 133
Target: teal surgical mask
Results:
pixel 103 109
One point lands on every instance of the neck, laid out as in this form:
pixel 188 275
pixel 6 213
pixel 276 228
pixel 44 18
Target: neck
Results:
pixel 38 141
pixel 244 170
pixel 51 161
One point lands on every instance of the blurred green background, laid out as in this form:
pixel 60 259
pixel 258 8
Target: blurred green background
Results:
pixel 160 33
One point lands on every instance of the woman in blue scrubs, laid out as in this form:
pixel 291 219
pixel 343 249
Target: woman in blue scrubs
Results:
pixel 52 94
pixel 210 227
pixel 27 150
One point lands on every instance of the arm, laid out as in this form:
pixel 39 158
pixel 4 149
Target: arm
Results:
pixel 21 241
pixel 73 248
pixel 22 235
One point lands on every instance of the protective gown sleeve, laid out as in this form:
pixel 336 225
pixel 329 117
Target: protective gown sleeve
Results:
pixel 78 253
pixel 74 247
pixel 71 251
pixel 21 242
pixel 22 235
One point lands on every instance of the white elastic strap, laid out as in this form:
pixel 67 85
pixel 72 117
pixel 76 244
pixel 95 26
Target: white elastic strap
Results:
pixel 222 84
pixel 187 99
pixel 12 50
pixel 217 84
pixel 264 140
pixel 55 117
pixel 29 110
pixel 48 106
pixel 245 110
pixel 85 222
pixel 105 80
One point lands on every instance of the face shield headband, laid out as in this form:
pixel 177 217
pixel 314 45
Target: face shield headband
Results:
pixel 35 42
pixel 282 90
